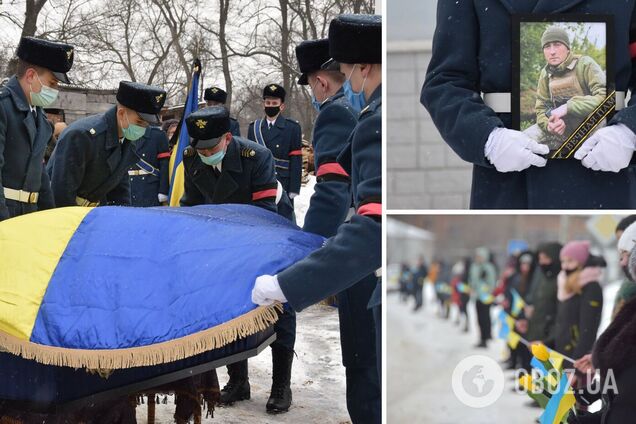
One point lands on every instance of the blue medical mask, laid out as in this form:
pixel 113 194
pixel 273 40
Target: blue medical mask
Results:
pixel 46 97
pixel 214 159
pixel 314 102
pixel 133 132
pixel 356 100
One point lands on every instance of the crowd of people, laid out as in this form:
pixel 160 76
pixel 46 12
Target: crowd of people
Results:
pixel 554 293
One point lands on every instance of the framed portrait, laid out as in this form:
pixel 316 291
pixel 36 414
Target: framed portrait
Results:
pixel 563 87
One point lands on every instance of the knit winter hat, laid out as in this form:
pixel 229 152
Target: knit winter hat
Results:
pixel 579 250
pixel 555 33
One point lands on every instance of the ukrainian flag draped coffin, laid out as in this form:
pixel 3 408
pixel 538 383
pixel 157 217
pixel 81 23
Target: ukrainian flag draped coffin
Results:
pixel 115 287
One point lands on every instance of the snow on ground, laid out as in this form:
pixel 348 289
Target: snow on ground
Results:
pixel 318 380
pixel 422 352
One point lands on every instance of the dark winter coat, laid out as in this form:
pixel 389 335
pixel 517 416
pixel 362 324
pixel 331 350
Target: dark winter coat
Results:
pixel 471 55
pixel 616 350
pixel 577 321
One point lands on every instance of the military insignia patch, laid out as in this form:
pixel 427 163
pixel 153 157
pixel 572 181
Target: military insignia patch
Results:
pixel 69 54
pixel 201 123
pixel 215 90
pixel 159 97
pixel 273 87
pixel 248 153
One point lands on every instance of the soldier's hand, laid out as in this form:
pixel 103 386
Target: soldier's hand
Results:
pixel 510 150
pixel 609 149
pixel 556 126
pixel 267 291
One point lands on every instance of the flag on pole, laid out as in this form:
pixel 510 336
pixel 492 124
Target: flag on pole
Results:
pixel 176 159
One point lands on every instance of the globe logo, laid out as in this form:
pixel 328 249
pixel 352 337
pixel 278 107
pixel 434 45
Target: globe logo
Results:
pixel 478 381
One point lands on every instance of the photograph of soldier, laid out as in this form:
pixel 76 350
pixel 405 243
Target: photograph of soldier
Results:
pixel 571 80
pixel 468 94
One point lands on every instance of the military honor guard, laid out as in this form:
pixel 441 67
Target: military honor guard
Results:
pixel 282 136
pixel 221 168
pixel 149 182
pixel 355 41
pixel 215 96
pixel 328 209
pixel 24 129
pixel 90 163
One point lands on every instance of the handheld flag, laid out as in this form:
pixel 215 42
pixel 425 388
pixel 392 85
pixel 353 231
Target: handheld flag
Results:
pixel 176 159
pixel 517 303
pixel 559 404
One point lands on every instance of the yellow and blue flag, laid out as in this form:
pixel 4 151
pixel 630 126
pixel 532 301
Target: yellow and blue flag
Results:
pixel 517 303
pixel 559 404
pixel 176 159
pixel 121 287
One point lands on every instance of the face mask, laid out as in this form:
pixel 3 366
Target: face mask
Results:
pixel 214 159
pixel 570 271
pixel 133 132
pixel 314 102
pixel 357 100
pixel 551 269
pixel 46 96
pixel 272 111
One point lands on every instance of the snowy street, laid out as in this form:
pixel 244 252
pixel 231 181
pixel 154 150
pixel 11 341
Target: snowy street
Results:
pixel 422 352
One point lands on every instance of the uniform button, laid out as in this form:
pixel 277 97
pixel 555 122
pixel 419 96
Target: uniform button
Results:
pixel 143 154
pixel 278 145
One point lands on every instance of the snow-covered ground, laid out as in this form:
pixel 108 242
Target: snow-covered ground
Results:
pixel 422 352
pixel 318 380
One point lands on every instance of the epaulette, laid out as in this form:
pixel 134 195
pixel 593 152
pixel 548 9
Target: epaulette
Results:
pixel 188 152
pixel 246 152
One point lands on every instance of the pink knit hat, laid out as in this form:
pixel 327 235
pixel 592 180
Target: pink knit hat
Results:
pixel 579 250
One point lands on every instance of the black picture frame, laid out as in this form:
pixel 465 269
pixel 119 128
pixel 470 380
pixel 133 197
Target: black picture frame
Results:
pixel 606 109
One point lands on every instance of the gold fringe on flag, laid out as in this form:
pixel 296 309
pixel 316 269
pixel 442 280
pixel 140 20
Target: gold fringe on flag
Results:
pixel 221 335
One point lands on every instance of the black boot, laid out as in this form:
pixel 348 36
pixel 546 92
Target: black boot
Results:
pixel 238 388
pixel 281 396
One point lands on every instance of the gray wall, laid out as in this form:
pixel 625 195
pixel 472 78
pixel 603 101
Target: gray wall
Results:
pixel 79 103
pixel 423 172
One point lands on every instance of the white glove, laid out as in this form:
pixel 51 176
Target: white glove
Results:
pixel 266 291
pixel 292 195
pixel 510 150
pixel 609 149
pixel 162 198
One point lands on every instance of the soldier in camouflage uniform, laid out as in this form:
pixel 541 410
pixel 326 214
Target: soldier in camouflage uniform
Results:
pixel 570 88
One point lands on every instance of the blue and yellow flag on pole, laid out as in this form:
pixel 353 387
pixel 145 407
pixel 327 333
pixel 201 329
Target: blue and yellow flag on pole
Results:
pixel 176 159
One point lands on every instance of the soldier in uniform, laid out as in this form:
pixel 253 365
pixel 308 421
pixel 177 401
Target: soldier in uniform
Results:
pixel 89 166
pixel 570 88
pixel 355 41
pixel 221 168
pixel 328 209
pixel 24 129
pixel 149 183
pixel 215 96
pixel 282 136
